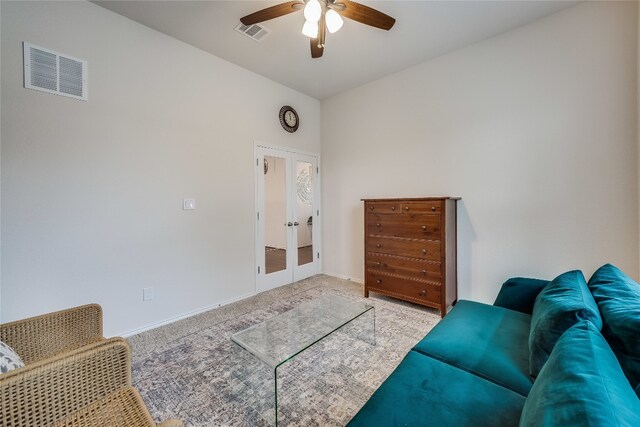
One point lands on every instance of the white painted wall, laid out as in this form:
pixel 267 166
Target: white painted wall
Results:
pixel 92 191
pixel 535 129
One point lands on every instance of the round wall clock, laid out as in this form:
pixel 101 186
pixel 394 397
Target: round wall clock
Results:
pixel 289 119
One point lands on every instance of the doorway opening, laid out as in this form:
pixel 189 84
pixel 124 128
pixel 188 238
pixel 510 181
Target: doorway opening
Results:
pixel 288 207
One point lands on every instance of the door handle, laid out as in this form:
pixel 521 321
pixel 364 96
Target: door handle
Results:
pixel 289 224
pixel 296 223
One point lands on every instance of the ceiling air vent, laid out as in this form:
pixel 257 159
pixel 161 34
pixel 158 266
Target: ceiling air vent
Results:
pixel 52 72
pixel 255 32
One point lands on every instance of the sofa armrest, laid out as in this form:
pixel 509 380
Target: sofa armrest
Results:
pixel 38 338
pixel 519 293
pixel 48 390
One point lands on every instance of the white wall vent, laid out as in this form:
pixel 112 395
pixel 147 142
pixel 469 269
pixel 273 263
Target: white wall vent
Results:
pixel 255 32
pixel 52 72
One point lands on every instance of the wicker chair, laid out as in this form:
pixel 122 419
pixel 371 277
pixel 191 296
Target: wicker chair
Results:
pixel 72 375
pixel 41 337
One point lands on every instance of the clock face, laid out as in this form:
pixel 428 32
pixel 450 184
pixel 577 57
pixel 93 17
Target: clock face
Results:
pixel 289 119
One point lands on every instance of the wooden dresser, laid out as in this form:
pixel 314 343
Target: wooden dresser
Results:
pixel 410 250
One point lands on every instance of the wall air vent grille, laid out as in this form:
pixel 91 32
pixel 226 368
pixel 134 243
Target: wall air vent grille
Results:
pixel 254 32
pixel 52 72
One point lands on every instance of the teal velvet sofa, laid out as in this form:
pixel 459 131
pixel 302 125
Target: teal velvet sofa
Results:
pixel 562 352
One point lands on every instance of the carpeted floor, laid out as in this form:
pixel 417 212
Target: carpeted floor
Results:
pixel 192 370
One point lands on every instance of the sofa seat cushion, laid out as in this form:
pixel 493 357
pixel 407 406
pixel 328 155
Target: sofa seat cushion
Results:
pixel 581 385
pixel 425 391
pixel 560 305
pixel 618 298
pixel 488 341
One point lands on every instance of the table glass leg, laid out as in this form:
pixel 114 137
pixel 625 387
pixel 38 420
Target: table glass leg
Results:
pixel 252 385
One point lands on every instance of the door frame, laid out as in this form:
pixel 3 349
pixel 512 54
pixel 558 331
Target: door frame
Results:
pixel 259 259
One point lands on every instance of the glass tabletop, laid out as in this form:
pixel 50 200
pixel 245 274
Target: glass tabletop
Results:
pixel 280 338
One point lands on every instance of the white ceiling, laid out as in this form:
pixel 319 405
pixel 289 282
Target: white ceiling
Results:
pixel 354 55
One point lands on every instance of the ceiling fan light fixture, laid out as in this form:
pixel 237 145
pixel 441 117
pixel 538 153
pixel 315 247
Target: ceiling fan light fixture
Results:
pixel 310 29
pixel 334 21
pixel 313 11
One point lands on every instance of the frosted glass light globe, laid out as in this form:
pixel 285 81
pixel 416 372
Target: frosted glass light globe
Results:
pixel 334 21
pixel 313 11
pixel 310 29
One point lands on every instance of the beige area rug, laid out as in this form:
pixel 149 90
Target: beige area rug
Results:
pixel 192 370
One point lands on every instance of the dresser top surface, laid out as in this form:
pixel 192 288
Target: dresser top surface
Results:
pixel 412 199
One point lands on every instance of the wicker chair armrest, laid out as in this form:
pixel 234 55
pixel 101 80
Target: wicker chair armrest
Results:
pixel 122 408
pixel 45 391
pixel 38 338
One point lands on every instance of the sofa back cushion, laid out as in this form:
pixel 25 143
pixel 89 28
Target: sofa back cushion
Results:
pixel 565 301
pixel 519 293
pixel 618 298
pixel 581 384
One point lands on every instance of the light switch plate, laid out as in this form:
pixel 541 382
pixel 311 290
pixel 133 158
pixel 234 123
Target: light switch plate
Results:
pixel 147 294
pixel 188 204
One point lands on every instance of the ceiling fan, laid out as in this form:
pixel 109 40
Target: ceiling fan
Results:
pixel 323 15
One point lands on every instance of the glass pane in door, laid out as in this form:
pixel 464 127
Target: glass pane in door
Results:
pixel 275 205
pixel 304 211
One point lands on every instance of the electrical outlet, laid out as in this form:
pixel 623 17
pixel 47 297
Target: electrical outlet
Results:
pixel 188 204
pixel 147 294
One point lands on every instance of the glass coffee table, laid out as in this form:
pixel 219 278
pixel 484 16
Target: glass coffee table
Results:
pixel 282 337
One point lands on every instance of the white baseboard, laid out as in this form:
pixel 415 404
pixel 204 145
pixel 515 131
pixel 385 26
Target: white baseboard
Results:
pixel 210 307
pixel 340 276
pixel 183 316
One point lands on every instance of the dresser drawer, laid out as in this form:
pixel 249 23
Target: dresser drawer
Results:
pixel 382 207
pixel 421 270
pixel 422 226
pixel 414 248
pixel 419 291
pixel 421 207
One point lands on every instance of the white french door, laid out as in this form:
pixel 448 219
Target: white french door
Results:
pixel 288 209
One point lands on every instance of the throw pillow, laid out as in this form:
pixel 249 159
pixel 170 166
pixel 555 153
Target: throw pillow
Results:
pixel 519 293
pixel 9 359
pixel 618 298
pixel 565 301
pixel 581 385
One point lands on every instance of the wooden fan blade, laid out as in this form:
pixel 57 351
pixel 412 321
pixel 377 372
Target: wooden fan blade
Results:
pixel 366 15
pixel 272 12
pixel 316 52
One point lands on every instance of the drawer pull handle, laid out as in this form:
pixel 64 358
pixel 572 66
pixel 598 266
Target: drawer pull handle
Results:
pixel 378 245
pixel 424 227
pixel 378 263
pixel 423 293
pixel 424 271
pixel 378 225
pixel 433 208
pixel 370 207
pixel 424 252
pixel 378 281
pixel 393 208
pixel 406 208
